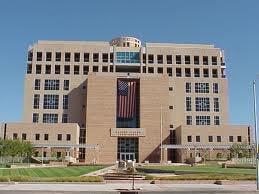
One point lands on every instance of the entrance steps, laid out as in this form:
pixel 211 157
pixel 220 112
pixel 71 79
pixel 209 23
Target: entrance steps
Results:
pixel 122 176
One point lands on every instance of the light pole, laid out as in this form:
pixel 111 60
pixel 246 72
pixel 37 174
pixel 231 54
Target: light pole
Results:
pixel 256 139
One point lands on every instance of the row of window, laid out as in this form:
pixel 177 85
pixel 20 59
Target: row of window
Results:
pixel 51 84
pixel 125 57
pixel 202 120
pixel 45 136
pixel 50 101
pixel 201 104
pixel 179 72
pixel 49 118
pixel 201 88
pixel 211 138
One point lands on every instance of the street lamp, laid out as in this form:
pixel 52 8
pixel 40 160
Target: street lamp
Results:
pixel 256 139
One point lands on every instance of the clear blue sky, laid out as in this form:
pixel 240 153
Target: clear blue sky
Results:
pixel 232 25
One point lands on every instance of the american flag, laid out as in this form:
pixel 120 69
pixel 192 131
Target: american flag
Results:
pixel 126 99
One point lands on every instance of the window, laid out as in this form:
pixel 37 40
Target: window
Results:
pixel 160 59
pixel 77 57
pixel 178 59
pixel 218 138
pixel 95 68
pixel 66 85
pixel 105 57
pixel 48 56
pixel 188 103
pixel 127 57
pixel 64 118
pixel 46 137
pixel 68 137
pixel 96 57
pixel 111 68
pixel 215 88
pixel 58 56
pixel 30 56
pixel 169 71
pixel 51 84
pixel 214 73
pixel 35 117
pixel 39 56
pixel 15 136
pixel 65 101
pixel 37 84
pixel 67 57
pixel 104 68
pixel 160 70
pixel 86 57
pixel 187 72
pixel 202 120
pixel 36 101
pixel 50 101
pixel 196 60
pixel 239 139
pixel 38 69
pixel 214 60
pixel 231 139
pixel 216 104
pixel 170 88
pixel 48 69
pixel 171 107
pixel 205 73
pixel 59 137
pixel 178 72
pixel 202 104
pixel 144 58
pixel 196 72
pixel 171 126
pixel 66 69
pixel 24 136
pixel 111 57
pixel 76 70
pixel 85 69
pixel 189 138
pixel 216 120
pixel 188 87
pixel 202 88
pixel 188 120
pixel 37 136
pixel 150 69
pixel 210 138
pixel 198 138
pixel 187 59
pixel 50 118
pixel 169 59
pixel 29 68
pixel 150 58
pixel 205 60
pixel 57 69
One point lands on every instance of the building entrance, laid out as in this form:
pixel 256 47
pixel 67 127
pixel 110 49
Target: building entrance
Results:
pixel 127 149
pixel 127 156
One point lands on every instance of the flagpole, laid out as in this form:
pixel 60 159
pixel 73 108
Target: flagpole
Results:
pixel 161 134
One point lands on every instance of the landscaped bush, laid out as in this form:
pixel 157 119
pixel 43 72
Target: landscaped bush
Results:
pixel 247 166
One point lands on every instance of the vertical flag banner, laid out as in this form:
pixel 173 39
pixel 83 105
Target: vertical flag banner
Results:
pixel 126 108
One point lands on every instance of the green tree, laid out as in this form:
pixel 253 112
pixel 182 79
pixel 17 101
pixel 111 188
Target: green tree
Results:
pixel 240 150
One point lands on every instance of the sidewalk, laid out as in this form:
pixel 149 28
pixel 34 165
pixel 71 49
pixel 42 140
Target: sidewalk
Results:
pixel 144 187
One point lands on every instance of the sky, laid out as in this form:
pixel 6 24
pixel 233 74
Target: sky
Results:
pixel 232 25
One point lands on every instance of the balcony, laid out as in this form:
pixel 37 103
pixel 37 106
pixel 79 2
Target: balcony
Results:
pixel 128 132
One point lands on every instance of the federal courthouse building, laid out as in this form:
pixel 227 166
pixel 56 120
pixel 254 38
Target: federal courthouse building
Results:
pixel 101 101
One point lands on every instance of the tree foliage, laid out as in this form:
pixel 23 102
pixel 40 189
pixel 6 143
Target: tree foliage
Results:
pixel 240 150
pixel 15 148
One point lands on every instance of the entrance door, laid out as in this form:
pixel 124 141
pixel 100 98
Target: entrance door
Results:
pixel 127 156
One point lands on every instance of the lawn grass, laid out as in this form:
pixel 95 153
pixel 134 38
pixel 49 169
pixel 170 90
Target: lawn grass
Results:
pixel 197 169
pixel 50 172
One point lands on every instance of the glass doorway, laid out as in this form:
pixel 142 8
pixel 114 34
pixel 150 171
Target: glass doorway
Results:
pixel 127 156
pixel 127 149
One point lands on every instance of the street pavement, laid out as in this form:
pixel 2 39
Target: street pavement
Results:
pixel 98 188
